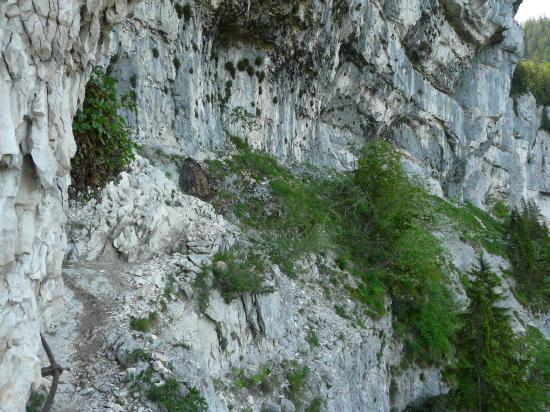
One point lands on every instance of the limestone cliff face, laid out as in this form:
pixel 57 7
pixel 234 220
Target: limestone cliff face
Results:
pixel 315 76
pixel 434 76
pixel 47 50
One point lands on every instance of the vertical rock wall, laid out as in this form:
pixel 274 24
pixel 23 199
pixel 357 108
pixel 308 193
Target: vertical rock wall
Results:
pixel 47 49
pixel 432 75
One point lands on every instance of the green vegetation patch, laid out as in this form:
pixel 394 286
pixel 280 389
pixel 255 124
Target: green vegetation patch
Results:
pixel 528 247
pixel 297 377
pixel 376 220
pixel 530 76
pixel 265 380
pixel 134 356
pixel 172 395
pixel 35 402
pixel 103 139
pixel 233 272
pixel 144 324
pixel 474 226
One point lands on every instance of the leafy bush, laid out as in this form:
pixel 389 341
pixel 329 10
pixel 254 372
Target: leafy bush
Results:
pixel 265 380
pixel 312 338
pixel 243 64
pixel 230 67
pixel 173 395
pixel 104 146
pixel 234 272
pixel 134 356
pixel 35 402
pixel 314 405
pixel 187 12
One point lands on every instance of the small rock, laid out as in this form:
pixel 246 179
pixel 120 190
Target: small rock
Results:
pixel 221 266
pixel 158 366
pixel 270 406
pixel 86 391
pixel 287 406
pixel 159 356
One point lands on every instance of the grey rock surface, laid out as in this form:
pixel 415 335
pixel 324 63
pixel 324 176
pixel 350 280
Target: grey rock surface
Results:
pixel 319 77
pixel 47 49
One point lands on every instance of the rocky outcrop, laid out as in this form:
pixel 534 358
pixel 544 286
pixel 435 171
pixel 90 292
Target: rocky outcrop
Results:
pixel 47 50
pixel 142 215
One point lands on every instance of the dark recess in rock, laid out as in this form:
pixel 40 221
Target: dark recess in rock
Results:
pixel 194 180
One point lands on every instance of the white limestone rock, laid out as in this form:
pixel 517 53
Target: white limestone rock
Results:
pixel 141 215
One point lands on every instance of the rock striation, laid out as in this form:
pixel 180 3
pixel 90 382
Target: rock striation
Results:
pixel 307 80
pixel 47 48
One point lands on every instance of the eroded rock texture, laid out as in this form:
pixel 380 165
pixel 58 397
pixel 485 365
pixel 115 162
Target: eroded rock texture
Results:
pixel 47 50
pixel 315 76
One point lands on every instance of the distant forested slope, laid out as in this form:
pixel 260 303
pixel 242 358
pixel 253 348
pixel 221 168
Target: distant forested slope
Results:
pixel 533 73
pixel 537 40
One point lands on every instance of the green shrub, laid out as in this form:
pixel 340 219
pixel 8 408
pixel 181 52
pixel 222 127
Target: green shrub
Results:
pixel 259 60
pixel 156 52
pixel 201 287
pixel 187 12
pixel 173 395
pixel 545 120
pixel 179 10
pixel 133 80
pixel 230 67
pixel 312 338
pixel 243 274
pixel 532 77
pixel 35 402
pixel 177 62
pixel 177 396
pixel 104 146
pixel 260 76
pixel 297 378
pixel 265 380
pixel 234 272
pixel 143 324
pixel 243 64
pixel 314 405
pixel 500 210
pixel 134 356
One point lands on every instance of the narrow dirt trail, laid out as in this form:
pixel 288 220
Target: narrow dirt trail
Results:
pixel 80 338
